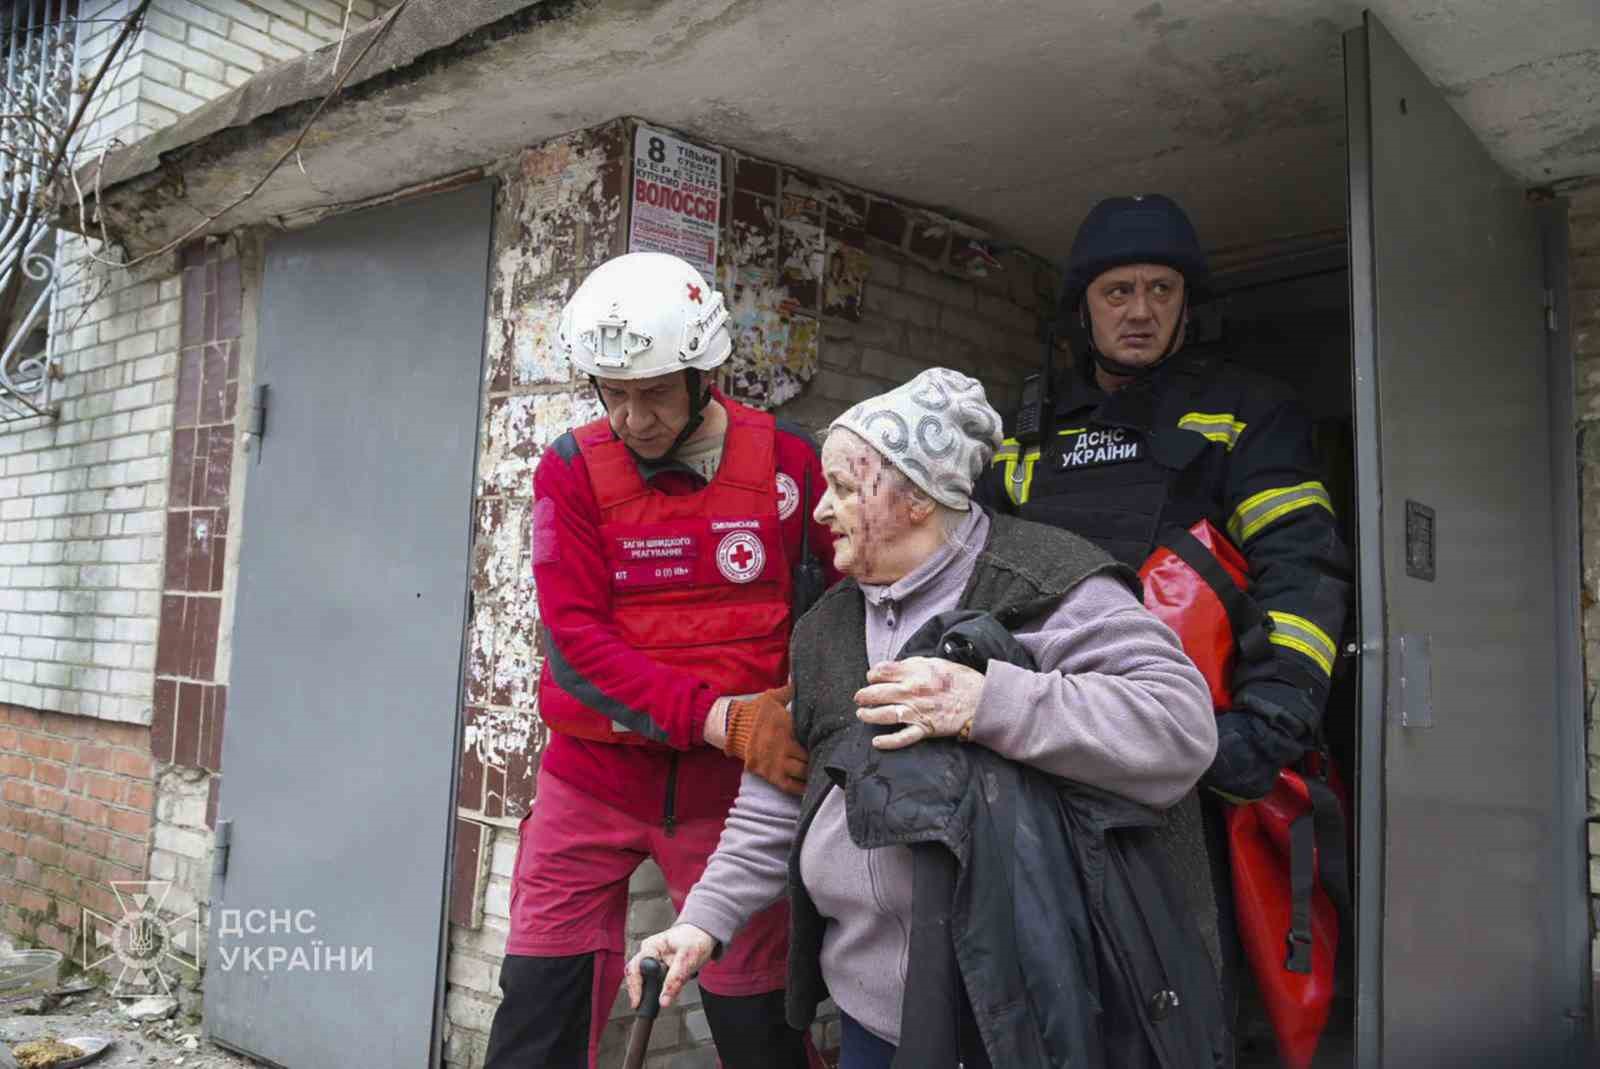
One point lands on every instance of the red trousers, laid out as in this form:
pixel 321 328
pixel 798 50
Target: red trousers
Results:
pixel 569 894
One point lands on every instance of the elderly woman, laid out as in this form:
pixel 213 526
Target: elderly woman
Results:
pixel 1097 701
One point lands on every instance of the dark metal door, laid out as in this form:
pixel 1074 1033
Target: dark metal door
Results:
pixel 1468 886
pixel 327 931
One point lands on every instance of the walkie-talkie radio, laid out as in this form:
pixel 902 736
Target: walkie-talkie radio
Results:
pixel 809 580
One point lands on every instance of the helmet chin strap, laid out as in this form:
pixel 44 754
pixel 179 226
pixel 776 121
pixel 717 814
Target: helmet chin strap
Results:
pixel 1135 371
pixel 699 398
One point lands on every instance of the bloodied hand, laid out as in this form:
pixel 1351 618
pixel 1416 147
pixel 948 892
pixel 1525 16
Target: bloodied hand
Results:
pixel 927 696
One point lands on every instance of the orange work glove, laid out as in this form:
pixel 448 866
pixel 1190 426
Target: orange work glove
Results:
pixel 761 734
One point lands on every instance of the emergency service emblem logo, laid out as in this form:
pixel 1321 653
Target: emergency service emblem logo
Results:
pixel 788 495
pixel 740 557
pixel 143 942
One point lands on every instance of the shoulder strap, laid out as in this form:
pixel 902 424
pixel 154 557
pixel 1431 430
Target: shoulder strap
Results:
pixel 613 474
pixel 750 451
pixel 1249 623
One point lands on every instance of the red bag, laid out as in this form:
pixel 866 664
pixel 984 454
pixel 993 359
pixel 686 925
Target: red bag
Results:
pixel 1293 970
pixel 1185 582
pixel 1287 850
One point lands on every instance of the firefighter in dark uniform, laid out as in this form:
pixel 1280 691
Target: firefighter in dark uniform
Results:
pixel 1144 434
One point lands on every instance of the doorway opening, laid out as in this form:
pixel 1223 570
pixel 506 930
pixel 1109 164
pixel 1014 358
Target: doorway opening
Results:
pixel 1290 319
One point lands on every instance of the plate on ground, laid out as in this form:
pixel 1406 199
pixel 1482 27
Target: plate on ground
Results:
pixel 92 1047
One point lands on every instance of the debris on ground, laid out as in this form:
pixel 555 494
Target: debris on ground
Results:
pixel 155 1008
pixel 135 1044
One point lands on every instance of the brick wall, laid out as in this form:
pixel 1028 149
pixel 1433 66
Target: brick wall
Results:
pixel 81 504
pixel 75 815
pixel 888 292
pixel 193 51
pixel 1584 250
pixel 93 568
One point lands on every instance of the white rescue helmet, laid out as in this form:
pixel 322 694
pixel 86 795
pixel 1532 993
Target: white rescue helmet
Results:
pixel 642 315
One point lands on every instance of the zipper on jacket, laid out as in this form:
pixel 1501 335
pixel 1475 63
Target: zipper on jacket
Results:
pixel 669 817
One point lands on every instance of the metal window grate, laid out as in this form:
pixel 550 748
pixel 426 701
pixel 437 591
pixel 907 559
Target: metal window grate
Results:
pixel 37 41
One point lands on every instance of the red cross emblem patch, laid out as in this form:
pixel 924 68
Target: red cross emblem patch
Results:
pixel 740 557
pixel 694 293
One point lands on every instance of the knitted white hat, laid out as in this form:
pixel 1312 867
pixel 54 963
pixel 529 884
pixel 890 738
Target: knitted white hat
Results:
pixel 939 429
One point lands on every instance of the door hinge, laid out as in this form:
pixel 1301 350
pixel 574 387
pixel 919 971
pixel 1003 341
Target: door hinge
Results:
pixel 255 424
pixel 1550 323
pixel 221 843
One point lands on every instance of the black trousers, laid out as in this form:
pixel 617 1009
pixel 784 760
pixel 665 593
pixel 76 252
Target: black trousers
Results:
pixel 545 1012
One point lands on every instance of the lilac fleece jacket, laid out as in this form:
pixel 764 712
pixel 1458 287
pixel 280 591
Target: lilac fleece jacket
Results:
pixel 1115 705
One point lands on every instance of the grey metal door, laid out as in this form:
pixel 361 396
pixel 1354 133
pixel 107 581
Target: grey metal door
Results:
pixel 342 721
pixel 1468 886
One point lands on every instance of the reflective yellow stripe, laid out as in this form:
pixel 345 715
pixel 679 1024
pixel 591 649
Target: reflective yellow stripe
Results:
pixel 1217 426
pixel 1301 635
pixel 1258 510
pixel 1018 485
pixel 1071 430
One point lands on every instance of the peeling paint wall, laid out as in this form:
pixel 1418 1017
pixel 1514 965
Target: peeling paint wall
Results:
pixel 835 293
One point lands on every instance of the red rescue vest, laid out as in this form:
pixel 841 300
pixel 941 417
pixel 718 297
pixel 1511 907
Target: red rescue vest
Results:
pixel 1286 851
pixel 699 582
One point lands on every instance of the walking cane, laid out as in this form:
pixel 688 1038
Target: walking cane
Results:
pixel 644 1018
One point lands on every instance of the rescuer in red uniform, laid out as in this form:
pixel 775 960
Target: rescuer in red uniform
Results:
pixel 665 543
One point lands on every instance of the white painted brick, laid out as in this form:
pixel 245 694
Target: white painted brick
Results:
pixel 55 627
pixel 180 54
pixel 39 649
pixel 473 974
pixel 158 22
pixel 162 71
pixel 112 654
pixel 205 88
pixel 196 15
pixel 175 100
pixel 133 447
pixel 294 33
pixel 163 865
pixel 47 552
pixel 52 675
pixel 135 396
pixel 108 475
pixel 290 10
pixel 271 49
pixel 328 10
pixel 149 419
pixel 33 485
pixel 129 682
pixel 122 551
pixel 497 899
pixel 140 576
pixel 227 50
pixel 41 601
pixel 148 469
pixel 116 602
pixel 138 345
